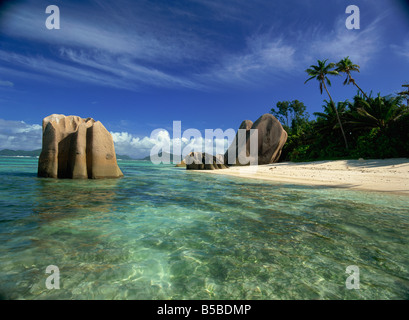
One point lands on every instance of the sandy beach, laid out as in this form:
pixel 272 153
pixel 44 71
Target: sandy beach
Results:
pixel 391 175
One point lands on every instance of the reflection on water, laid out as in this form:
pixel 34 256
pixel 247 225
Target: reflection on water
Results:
pixel 165 233
pixel 54 197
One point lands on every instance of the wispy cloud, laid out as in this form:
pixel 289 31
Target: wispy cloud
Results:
pixel 5 83
pixel 104 51
pixel 120 45
pixel 95 68
pixel 401 49
pixel 113 30
pixel 360 45
pixel 264 57
pixel 124 67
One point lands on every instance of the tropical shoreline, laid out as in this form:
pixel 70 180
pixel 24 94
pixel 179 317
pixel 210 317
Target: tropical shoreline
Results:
pixel 386 175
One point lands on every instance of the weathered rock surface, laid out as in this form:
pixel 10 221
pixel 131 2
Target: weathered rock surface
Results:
pixel 204 161
pixel 271 140
pixel 77 148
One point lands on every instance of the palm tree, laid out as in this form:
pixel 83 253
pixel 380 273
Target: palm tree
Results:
pixel 327 120
pixel 320 73
pixel 379 112
pixel 346 66
pixel 405 94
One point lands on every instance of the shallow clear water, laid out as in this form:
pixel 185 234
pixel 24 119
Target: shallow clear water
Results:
pixel 167 233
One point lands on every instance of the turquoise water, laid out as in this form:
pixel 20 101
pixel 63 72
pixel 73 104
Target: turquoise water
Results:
pixel 167 233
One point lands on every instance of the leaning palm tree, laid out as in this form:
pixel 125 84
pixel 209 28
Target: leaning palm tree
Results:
pixel 346 66
pixel 320 73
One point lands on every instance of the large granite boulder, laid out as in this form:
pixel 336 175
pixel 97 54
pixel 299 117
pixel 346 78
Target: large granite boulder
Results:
pixel 271 139
pixel 77 148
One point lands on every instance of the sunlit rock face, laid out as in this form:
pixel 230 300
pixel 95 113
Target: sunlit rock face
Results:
pixel 76 148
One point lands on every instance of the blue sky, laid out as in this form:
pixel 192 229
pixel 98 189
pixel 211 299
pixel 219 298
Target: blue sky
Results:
pixel 140 65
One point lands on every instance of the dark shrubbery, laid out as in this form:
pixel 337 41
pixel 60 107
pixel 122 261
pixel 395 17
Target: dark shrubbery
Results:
pixel 374 128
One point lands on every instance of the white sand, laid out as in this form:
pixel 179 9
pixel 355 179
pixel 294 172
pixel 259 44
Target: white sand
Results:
pixel 391 175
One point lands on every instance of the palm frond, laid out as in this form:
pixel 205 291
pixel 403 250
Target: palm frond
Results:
pixel 313 77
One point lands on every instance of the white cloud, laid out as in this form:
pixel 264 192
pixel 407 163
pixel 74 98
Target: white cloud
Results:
pixel 126 143
pixel 18 135
pixel 135 147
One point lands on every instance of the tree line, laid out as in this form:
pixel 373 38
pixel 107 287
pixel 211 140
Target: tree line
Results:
pixel 366 127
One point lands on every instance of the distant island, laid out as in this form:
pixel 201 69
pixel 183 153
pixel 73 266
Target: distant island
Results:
pixel 20 153
pixel 36 153
pixel 167 155
pixel 124 157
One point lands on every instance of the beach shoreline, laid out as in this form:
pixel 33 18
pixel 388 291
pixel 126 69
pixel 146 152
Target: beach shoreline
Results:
pixel 382 175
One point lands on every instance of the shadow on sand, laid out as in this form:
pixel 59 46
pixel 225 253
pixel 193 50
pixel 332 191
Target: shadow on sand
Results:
pixel 376 163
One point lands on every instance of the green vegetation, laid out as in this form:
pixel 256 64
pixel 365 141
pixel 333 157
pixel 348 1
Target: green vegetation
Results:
pixel 366 127
pixel 320 73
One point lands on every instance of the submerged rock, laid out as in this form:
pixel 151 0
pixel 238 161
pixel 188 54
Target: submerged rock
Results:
pixel 76 148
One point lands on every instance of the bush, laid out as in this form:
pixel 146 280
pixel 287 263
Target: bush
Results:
pixel 376 144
